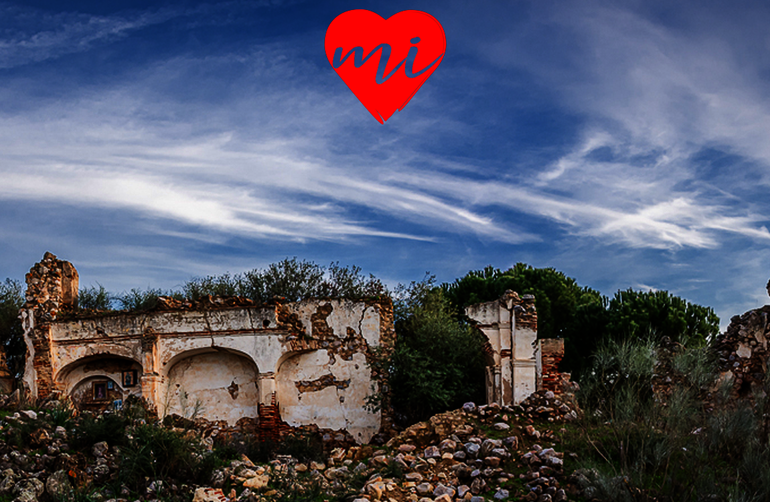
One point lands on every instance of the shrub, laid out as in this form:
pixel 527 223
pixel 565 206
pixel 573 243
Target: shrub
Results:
pixel 94 298
pixel 158 453
pixel 437 364
pixel 90 430
pixel 304 446
pixel 668 445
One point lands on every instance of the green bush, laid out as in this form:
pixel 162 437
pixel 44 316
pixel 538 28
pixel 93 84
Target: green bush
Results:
pixel 437 363
pixel 92 429
pixel 94 298
pixel 11 331
pixel 158 453
pixel 231 447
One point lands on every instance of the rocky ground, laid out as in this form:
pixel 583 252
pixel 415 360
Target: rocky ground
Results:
pixel 474 453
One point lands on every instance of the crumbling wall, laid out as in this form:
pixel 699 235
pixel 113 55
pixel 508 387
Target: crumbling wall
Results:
pixel 550 354
pixel 6 379
pixel 52 285
pixel 742 351
pixel 219 385
pixel 510 325
pixel 296 363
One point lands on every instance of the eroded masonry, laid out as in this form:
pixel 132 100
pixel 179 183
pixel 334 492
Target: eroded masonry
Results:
pixel 279 364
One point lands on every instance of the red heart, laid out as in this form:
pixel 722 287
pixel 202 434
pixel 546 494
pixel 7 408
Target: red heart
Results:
pixel 384 61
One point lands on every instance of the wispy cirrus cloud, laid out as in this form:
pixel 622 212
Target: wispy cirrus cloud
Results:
pixel 32 36
pixel 624 145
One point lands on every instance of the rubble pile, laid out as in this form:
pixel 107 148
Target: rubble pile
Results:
pixel 546 405
pixel 472 454
pixel 445 459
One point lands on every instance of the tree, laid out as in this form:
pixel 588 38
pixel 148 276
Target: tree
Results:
pixel 564 309
pixel 658 314
pixel 582 316
pixel 438 361
pixel 291 279
pixel 11 331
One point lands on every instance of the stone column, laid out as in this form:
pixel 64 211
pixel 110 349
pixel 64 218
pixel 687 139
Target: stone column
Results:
pixel 524 339
pixel 152 381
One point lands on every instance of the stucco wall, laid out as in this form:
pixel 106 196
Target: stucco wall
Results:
pixel 316 387
pixel 204 351
pixel 219 385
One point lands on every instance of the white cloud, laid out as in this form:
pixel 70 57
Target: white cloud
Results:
pixel 257 152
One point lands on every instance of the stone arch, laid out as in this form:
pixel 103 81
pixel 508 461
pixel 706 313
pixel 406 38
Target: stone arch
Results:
pixel 95 382
pixel 317 387
pixel 213 383
pixel 68 356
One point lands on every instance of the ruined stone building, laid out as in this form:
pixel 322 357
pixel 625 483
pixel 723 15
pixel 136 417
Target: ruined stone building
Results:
pixel 518 363
pixel 295 363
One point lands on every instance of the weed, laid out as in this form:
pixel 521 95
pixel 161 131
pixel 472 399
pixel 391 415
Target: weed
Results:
pixel 61 415
pixel 393 470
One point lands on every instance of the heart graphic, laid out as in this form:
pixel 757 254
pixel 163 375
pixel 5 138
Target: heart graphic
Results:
pixel 384 61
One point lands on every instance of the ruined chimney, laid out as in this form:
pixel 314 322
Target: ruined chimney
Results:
pixel 52 285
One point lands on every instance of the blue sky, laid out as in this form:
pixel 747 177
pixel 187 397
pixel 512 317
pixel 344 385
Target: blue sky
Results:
pixel 624 143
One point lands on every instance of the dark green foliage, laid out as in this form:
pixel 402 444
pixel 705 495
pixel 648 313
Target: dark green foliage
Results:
pixel 557 296
pixel 408 298
pixel 11 332
pixel 674 448
pixel 137 299
pixel 303 446
pixel 619 385
pixel 92 429
pixel 94 298
pixel 438 362
pixel 659 314
pixel 231 447
pixel 158 453
pixel 61 415
pixel 564 309
pixel 17 434
pixel 307 491
pixel 222 285
pixel 393 470
pixel 582 316
pixel 291 279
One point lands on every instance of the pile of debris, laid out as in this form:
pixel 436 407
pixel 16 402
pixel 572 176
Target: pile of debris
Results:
pixel 445 459
pixel 470 454
pixel 545 405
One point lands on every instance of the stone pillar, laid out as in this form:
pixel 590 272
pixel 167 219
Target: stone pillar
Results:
pixel 504 381
pixel 52 285
pixel 524 362
pixel 152 389
pixel 151 379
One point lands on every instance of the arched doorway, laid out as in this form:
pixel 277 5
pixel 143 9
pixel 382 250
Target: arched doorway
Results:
pixel 100 382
